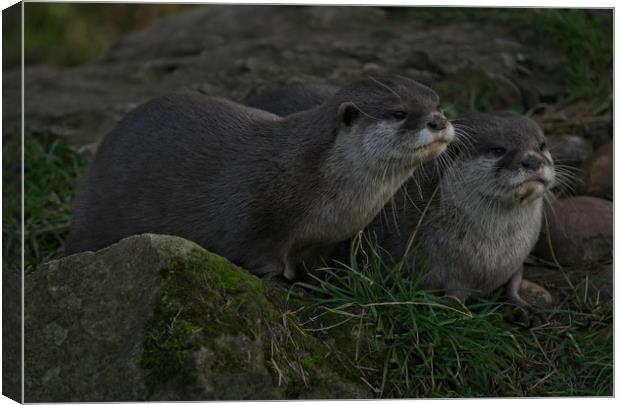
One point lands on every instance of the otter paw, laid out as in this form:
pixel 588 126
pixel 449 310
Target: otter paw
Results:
pixel 527 317
pixel 278 281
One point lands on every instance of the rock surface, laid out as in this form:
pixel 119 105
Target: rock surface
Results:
pixel 598 173
pixel 569 153
pixel 579 232
pixel 11 333
pixel 159 318
pixel 581 283
pixel 569 150
pixel 207 49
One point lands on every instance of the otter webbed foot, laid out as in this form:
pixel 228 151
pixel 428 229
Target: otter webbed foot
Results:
pixel 525 316
pixel 268 271
pixel 522 312
pixel 274 268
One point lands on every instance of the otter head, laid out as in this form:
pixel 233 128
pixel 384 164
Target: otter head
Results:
pixel 503 157
pixel 390 124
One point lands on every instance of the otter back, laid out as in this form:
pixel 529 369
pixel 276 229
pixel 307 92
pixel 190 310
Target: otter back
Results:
pixel 184 165
pixel 264 191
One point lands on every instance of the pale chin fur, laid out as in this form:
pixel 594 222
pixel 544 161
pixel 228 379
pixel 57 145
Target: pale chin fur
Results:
pixel 427 138
pixel 430 144
pixel 380 147
pixel 514 190
pixel 528 191
pixel 522 191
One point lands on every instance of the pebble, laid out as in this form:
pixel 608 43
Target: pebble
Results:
pixel 580 232
pixel 598 173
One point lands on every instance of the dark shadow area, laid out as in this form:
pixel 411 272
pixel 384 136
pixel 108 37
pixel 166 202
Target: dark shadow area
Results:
pixel 11 220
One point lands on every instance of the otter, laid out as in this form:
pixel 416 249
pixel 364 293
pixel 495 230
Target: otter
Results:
pixel 468 221
pixel 291 99
pixel 266 192
pixel 467 226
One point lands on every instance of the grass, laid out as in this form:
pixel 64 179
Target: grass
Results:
pixel 433 347
pixel 583 38
pixel 51 172
pixel 67 34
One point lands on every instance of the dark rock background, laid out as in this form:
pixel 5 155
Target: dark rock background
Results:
pixel 237 51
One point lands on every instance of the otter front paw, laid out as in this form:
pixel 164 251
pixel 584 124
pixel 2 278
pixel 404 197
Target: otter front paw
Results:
pixel 525 316
pixel 528 313
pixel 268 271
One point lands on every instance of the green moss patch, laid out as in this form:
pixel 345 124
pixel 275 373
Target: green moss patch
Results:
pixel 203 297
pixel 229 322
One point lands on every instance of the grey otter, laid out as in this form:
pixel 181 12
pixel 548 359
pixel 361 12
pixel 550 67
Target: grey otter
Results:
pixel 291 99
pixel 266 192
pixel 483 209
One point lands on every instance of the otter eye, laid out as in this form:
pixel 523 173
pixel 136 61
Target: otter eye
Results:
pixel 399 115
pixel 543 146
pixel 498 151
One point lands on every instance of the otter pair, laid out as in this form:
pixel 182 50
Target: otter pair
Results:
pixel 272 192
pixel 269 193
pixel 469 220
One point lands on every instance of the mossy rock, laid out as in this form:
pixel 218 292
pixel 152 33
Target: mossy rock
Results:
pixel 158 318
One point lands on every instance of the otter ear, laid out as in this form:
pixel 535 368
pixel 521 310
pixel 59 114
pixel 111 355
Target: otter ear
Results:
pixel 347 113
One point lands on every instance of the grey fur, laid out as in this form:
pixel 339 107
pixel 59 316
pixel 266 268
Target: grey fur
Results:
pixel 477 230
pixel 288 100
pixel 463 243
pixel 266 192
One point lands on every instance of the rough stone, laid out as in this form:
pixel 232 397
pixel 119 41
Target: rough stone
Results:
pixel 11 333
pixel 579 231
pixel 569 153
pixel 598 173
pixel 569 150
pixel 159 318
pixel 535 294
pixel 594 283
pixel 207 49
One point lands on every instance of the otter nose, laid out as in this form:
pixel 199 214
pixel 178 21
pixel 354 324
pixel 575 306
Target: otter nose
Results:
pixel 532 163
pixel 437 122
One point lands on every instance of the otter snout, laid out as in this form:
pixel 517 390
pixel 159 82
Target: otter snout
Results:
pixel 538 166
pixel 532 163
pixel 434 138
pixel 437 122
pixel 538 173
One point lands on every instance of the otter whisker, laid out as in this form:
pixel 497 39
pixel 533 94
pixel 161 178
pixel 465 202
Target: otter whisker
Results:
pixel 417 183
pixel 364 112
pixel 386 87
pixel 406 192
pixel 413 235
pixel 568 169
pixel 463 134
pixel 546 225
